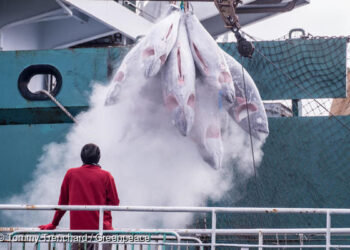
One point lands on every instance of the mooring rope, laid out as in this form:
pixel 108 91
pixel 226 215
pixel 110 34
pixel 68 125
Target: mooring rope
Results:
pixel 47 93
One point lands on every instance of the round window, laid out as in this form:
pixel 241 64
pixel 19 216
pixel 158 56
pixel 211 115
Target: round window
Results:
pixel 35 78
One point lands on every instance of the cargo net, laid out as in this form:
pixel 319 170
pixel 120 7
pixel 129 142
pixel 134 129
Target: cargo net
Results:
pixel 303 75
pixel 325 106
pixel 306 160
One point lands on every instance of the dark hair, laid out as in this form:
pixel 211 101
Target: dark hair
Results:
pixel 90 154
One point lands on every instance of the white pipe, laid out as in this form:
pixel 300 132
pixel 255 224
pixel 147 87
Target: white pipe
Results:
pixel 261 239
pixel 191 239
pixel 232 245
pixel 100 226
pixel 63 6
pixel 213 231
pixel 328 233
pixel 179 209
pixel 218 231
pixel 264 231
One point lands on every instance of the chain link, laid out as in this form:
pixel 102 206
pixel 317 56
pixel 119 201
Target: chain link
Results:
pixel 227 9
pixel 309 36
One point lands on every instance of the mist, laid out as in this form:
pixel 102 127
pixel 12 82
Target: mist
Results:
pixel 151 162
pixel 153 165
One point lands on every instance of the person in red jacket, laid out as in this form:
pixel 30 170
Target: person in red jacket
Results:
pixel 86 185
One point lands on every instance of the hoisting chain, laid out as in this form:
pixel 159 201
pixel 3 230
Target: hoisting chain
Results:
pixel 227 10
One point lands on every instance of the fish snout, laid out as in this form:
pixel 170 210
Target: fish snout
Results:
pixel 213 148
pixel 212 154
pixel 183 118
pixel 110 101
pixel 260 127
pixel 260 132
pixel 257 124
pixel 113 95
pixel 228 93
pixel 152 66
pixel 154 58
pixel 213 161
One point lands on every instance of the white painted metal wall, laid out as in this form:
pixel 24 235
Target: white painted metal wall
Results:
pixel 50 24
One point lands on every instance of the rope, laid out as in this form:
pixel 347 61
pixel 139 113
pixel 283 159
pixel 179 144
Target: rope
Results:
pixel 58 104
pixel 259 196
pixel 250 129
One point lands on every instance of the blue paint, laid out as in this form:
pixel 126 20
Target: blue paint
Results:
pixel 21 147
pixel 80 68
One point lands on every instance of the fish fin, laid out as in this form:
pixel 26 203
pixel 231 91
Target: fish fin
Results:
pixel 119 77
pixel 191 100
pixel 225 77
pixel 171 102
pixel 148 52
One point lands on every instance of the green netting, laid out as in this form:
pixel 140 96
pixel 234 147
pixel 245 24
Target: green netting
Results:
pixel 306 159
pixel 317 67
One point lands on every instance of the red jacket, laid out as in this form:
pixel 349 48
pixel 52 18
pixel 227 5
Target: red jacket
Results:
pixel 87 185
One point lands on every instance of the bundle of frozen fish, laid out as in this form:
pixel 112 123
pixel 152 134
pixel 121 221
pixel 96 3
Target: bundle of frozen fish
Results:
pixel 200 83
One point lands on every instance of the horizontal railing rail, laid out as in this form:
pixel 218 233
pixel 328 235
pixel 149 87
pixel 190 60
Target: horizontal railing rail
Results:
pixel 192 235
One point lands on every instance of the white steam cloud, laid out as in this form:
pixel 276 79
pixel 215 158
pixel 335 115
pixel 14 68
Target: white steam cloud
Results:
pixel 151 162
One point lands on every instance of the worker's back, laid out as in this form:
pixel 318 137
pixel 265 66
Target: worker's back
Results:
pixel 89 185
pixel 86 185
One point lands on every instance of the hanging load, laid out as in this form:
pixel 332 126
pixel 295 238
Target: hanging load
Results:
pixel 201 85
pixel 178 82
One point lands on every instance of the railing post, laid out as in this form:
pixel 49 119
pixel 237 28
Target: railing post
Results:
pixel 301 239
pixel 328 233
pixel 100 227
pixel 213 229
pixel 261 240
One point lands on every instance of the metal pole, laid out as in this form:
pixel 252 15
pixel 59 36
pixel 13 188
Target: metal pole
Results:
pixel 328 233
pixel 301 238
pixel 296 107
pixel 100 227
pixel 261 240
pixel 1 39
pixel 213 229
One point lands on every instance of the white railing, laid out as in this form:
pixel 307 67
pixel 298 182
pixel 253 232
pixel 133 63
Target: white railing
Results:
pixel 178 236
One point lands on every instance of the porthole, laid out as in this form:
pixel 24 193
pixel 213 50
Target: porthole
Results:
pixel 39 77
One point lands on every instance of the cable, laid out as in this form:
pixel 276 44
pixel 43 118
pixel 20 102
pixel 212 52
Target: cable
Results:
pixel 250 129
pixel 259 194
pixel 59 105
